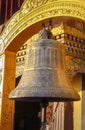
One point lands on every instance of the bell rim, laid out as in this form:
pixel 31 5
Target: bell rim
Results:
pixel 48 99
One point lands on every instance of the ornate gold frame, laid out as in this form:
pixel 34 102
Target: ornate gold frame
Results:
pixel 32 12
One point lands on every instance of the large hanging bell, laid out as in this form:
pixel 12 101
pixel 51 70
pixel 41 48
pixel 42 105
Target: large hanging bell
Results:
pixel 44 77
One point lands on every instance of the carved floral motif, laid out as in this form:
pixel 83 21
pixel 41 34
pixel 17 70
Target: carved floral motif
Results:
pixel 25 18
pixel 31 4
pixel 1 45
pixel 79 25
pixel 74 65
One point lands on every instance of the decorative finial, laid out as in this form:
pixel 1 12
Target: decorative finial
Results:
pixel 46 33
pixel 43 32
pixel 49 33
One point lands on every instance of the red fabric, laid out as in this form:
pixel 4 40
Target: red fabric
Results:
pixel 11 7
pixel 18 3
pixel 6 12
pixel 0 6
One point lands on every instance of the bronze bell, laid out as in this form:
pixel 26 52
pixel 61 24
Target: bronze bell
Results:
pixel 44 77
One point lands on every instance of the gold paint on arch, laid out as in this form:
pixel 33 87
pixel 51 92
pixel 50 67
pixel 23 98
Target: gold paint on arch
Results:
pixel 31 13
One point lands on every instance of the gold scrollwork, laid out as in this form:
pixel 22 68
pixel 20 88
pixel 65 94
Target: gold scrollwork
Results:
pixel 36 3
pixel 25 17
pixel 1 46
pixel 31 4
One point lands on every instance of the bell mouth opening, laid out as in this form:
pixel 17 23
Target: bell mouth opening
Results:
pixel 46 99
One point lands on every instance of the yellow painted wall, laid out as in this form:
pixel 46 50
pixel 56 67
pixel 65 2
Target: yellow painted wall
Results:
pixel 83 102
pixel 77 111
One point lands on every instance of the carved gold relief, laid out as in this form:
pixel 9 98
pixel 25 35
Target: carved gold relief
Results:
pixel 31 4
pixel 45 9
pixel 64 28
pixel 79 25
pixel 1 46
pixel 74 65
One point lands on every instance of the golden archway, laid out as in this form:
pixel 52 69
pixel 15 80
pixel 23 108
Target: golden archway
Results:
pixel 23 24
pixel 33 12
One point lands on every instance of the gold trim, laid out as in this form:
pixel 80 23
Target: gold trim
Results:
pixel 23 18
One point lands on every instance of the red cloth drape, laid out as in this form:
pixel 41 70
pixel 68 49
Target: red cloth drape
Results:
pixel 6 11
pixel 11 7
pixel 0 6
pixel 19 3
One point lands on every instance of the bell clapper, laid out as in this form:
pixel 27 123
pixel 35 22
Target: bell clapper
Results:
pixel 43 115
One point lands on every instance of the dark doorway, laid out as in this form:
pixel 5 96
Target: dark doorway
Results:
pixel 26 114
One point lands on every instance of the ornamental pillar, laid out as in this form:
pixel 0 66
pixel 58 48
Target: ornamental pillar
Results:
pixel 7 106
